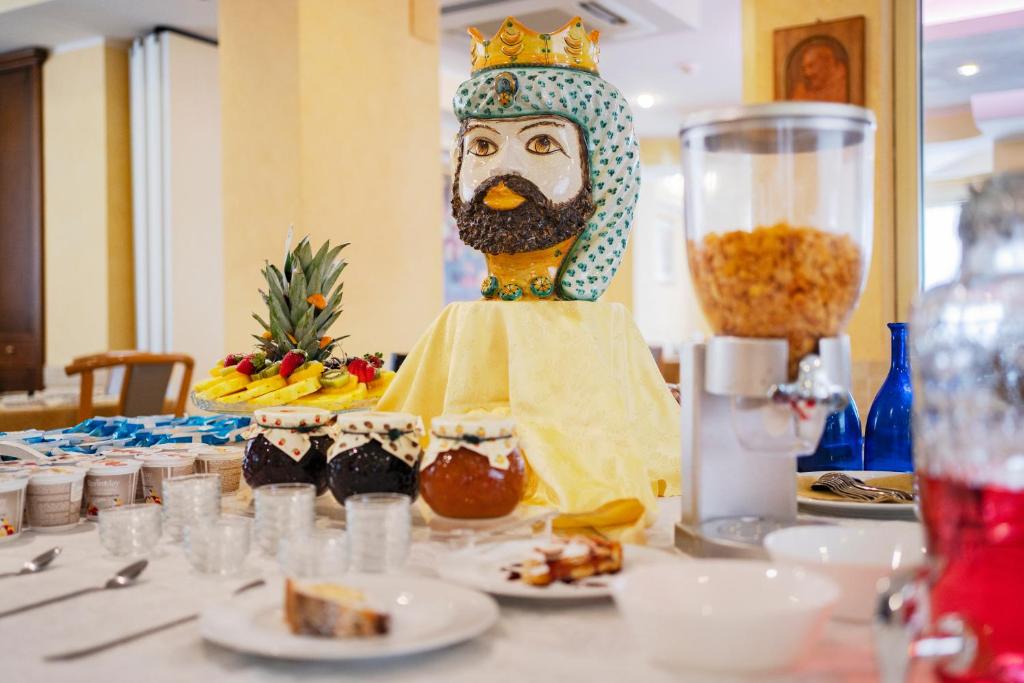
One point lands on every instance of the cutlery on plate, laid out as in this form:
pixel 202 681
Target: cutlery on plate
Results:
pixel 131 637
pixel 845 481
pixel 124 578
pixel 36 564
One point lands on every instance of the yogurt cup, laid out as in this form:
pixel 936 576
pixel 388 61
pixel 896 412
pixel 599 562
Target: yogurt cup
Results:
pixel 159 466
pixel 110 483
pixel 55 498
pixel 12 504
pixel 222 460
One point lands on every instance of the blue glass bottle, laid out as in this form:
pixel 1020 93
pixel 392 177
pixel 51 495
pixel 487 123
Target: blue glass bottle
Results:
pixel 841 446
pixel 887 438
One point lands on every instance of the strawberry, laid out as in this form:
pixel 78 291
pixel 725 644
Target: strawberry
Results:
pixel 233 359
pixel 292 360
pixel 375 359
pixel 245 366
pixel 362 369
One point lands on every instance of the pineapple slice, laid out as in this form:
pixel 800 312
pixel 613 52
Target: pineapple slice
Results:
pixel 308 369
pixel 222 371
pixel 256 389
pixel 288 394
pixel 378 386
pixel 333 401
pixel 207 383
pixel 226 386
pixel 349 385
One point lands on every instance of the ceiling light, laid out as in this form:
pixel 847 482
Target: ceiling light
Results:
pixel 969 69
pixel 645 100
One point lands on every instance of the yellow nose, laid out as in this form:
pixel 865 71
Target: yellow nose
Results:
pixel 500 198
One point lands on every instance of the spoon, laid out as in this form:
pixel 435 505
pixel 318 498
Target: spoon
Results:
pixel 132 637
pixel 124 578
pixel 36 564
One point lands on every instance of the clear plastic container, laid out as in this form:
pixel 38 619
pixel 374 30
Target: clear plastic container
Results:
pixel 778 212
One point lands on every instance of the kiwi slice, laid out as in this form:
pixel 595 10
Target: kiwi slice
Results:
pixel 269 371
pixel 334 378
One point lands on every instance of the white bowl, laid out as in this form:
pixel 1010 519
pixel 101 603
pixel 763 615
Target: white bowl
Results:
pixel 725 615
pixel 856 557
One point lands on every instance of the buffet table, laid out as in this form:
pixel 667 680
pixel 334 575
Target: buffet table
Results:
pixel 583 641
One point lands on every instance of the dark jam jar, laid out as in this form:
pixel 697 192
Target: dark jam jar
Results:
pixel 375 453
pixel 472 468
pixel 286 445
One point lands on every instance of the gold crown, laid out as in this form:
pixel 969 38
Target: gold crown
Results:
pixel 516 45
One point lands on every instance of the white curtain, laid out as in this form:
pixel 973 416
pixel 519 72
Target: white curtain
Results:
pixel 176 195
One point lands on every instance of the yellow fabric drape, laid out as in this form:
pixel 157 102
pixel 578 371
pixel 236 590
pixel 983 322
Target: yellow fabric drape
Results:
pixel 595 420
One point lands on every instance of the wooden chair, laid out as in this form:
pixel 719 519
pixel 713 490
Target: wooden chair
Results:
pixel 144 386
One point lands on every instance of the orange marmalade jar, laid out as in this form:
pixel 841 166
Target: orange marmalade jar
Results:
pixel 472 468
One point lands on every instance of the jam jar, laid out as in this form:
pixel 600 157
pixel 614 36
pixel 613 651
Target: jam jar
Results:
pixel 288 444
pixel 375 453
pixel 472 468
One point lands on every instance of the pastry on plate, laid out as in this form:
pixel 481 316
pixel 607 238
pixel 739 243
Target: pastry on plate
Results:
pixel 330 610
pixel 571 560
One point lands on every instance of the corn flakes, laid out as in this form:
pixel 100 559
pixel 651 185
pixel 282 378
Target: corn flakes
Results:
pixel 793 283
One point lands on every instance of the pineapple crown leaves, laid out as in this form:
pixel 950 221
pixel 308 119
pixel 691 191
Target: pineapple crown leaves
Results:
pixel 300 301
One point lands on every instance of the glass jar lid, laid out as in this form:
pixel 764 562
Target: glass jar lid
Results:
pixel 398 433
pixel 491 436
pixel 291 417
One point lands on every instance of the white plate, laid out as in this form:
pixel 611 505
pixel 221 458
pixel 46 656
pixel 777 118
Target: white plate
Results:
pixel 425 615
pixel 851 509
pixel 485 567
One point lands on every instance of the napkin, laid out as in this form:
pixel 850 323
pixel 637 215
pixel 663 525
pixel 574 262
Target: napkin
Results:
pixel 903 482
pixel 595 419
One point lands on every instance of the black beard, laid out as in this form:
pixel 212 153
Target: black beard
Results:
pixel 537 223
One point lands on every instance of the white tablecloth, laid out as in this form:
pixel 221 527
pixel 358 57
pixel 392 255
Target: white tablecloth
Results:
pixel 532 642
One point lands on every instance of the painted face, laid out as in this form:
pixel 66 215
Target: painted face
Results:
pixel 546 150
pixel 520 184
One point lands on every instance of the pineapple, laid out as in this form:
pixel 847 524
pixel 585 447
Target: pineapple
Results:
pixel 303 300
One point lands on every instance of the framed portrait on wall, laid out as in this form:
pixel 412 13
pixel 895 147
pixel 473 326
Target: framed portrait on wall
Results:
pixel 822 62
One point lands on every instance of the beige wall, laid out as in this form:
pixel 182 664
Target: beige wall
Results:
pixel 87 203
pixel 329 121
pixel 869 336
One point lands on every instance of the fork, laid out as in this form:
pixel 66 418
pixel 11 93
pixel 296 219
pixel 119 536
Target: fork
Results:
pixel 852 482
pixel 853 492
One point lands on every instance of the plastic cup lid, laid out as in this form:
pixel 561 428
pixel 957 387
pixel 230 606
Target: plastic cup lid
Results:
pixel 56 474
pixel 13 481
pixel 157 459
pixel 114 466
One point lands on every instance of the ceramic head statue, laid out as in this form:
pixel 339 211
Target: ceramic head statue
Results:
pixel 546 167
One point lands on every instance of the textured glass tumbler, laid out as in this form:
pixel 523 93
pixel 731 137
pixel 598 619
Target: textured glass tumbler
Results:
pixel 130 530
pixel 190 499
pixel 320 553
pixel 219 546
pixel 283 510
pixel 379 530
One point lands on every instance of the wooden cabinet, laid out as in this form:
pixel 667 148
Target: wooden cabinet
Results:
pixel 22 341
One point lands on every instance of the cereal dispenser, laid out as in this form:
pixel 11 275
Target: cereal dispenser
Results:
pixel 778 212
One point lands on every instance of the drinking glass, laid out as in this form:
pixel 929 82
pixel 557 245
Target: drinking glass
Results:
pixel 283 510
pixel 188 500
pixel 130 530
pixel 319 553
pixel 379 528
pixel 218 546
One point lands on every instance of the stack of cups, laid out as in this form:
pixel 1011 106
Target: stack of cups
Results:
pixel 283 510
pixel 188 500
pixel 379 528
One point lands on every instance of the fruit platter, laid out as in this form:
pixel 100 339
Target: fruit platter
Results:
pixel 296 361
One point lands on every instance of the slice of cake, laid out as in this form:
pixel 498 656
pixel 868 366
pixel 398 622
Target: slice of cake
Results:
pixel 577 558
pixel 330 610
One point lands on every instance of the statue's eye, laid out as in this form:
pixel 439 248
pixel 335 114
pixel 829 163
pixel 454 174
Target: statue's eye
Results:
pixel 482 147
pixel 543 144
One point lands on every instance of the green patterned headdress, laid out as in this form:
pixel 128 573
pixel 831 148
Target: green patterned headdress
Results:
pixel 603 115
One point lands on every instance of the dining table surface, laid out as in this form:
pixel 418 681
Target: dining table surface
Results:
pixel 583 640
